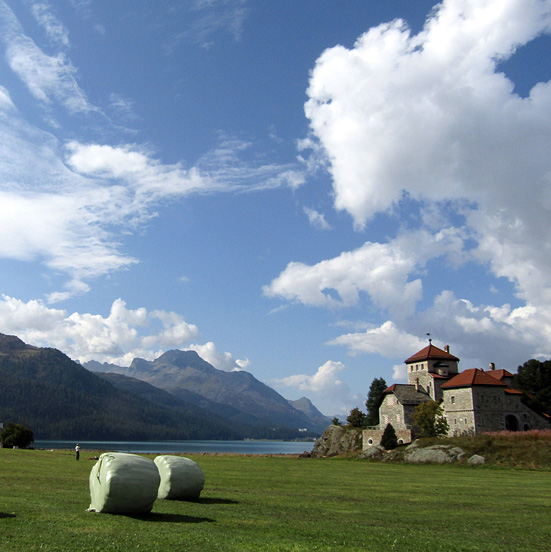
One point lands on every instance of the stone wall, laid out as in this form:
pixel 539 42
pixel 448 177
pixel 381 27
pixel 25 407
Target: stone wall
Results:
pixel 458 410
pixel 372 437
pixel 484 408
pixel 392 412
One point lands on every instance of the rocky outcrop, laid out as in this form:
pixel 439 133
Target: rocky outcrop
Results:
pixel 342 440
pixel 337 440
pixel 436 454
pixel 376 452
pixel 476 460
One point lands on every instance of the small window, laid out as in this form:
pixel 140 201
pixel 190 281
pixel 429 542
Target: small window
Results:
pixel 453 399
pixel 370 441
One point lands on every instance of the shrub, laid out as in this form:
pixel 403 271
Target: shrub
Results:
pixel 389 440
pixel 16 435
pixel 429 419
pixel 356 418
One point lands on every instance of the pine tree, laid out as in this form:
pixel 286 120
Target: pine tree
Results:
pixel 374 398
pixel 389 440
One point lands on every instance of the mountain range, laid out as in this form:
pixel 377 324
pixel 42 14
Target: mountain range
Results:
pixel 177 396
pixel 236 396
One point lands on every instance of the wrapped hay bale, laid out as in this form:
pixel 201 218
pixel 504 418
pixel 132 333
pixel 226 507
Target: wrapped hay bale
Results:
pixel 122 483
pixel 181 478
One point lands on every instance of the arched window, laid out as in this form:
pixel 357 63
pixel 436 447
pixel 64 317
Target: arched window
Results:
pixel 511 423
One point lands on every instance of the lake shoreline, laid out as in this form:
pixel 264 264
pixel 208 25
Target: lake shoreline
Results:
pixel 239 448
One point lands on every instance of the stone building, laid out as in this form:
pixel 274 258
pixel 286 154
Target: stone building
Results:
pixel 473 401
pixel 476 401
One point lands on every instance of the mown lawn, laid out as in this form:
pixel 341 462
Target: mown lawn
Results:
pixel 282 504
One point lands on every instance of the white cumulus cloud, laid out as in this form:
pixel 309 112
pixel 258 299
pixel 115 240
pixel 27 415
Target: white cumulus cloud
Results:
pixel 383 271
pixel 387 340
pixel 116 338
pixel 324 388
pixel 431 119
pixel 222 361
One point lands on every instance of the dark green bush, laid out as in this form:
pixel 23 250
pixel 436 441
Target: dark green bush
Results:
pixel 16 435
pixel 389 440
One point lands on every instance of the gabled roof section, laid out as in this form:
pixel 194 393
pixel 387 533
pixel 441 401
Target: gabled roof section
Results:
pixel 471 377
pixel 431 352
pixel 406 394
pixel 499 374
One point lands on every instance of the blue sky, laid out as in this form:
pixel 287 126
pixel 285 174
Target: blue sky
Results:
pixel 301 189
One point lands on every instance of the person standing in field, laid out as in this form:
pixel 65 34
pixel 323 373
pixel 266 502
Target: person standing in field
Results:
pixel 77 450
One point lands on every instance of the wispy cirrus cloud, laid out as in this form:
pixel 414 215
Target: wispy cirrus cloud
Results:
pixel 49 78
pixel 62 205
pixel 213 16
pixel 55 30
pixel 203 21
pixel 64 202
pixel 317 219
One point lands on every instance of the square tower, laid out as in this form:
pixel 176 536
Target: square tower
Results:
pixel 429 368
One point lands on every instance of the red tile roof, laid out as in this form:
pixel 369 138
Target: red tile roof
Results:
pixel 431 352
pixel 499 374
pixel 473 376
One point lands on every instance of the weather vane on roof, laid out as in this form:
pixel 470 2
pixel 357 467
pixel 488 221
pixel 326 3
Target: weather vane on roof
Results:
pixel 430 340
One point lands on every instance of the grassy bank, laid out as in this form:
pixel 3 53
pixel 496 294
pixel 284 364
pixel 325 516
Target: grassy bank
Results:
pixel 282 504
pixel 510 449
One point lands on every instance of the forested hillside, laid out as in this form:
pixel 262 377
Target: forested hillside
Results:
pixel 59 399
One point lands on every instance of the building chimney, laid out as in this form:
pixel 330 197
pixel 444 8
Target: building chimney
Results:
pixel 492 366
pixel 416 384
pixel 447 348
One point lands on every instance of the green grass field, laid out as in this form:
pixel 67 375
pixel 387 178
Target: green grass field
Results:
pixel 282 504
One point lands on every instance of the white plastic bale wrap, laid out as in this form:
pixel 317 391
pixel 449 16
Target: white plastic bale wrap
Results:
pixel 181 478
pixel 122 483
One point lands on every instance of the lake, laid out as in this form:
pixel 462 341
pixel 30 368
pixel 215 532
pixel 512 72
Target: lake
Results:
pixel 166 447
